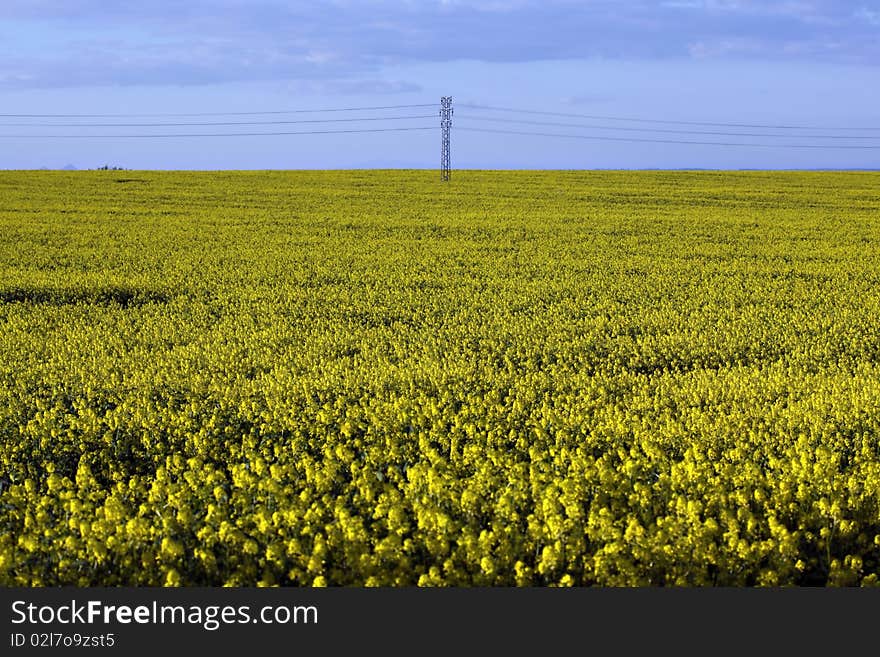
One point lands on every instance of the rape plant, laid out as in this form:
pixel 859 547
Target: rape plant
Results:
pixel 367 378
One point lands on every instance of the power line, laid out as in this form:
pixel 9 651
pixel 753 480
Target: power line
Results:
pixel 295 111
pixel 638 120
pixel 668 131
pixel 670 141
pixel 210 123
pixel 218 134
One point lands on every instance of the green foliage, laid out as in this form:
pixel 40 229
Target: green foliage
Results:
pixel 370 378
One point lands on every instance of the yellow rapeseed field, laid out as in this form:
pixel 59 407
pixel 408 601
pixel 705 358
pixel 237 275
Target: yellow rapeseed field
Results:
pixel 372 378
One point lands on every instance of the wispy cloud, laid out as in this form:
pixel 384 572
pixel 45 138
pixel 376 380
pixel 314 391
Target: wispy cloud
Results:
pixel 369 86
pixel 585 99
pixel 127 42
pixel 870 16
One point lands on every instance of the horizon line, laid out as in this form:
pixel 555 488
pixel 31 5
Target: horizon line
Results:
pixel 70 169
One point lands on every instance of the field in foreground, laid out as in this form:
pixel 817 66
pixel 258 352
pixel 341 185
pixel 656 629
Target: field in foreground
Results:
pixel 372 378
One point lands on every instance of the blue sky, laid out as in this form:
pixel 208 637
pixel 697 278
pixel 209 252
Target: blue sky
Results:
pixel 775 62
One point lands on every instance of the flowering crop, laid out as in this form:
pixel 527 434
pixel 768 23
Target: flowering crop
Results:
pixel 372 378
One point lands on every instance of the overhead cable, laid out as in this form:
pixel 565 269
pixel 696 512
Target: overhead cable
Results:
pixel 216 134
pixel 667 121
pixel 667 130
pixel 211 123
pixel 181 114
pixel 669 141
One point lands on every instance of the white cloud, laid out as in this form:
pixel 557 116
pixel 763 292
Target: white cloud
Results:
pixel 736 46
pixel 70 42
pixel 869 16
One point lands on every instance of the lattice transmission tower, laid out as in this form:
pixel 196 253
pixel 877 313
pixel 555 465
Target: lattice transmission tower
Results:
pixel 445 126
